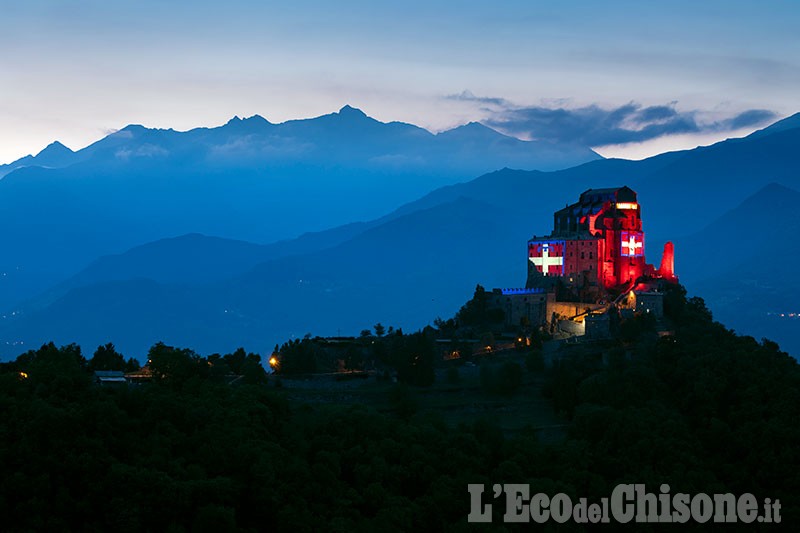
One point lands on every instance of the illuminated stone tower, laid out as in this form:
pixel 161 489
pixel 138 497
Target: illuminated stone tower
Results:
pixel 667 268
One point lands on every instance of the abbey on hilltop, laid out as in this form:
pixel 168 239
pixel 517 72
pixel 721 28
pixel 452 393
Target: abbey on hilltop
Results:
pixel 597 244
pixel 592 260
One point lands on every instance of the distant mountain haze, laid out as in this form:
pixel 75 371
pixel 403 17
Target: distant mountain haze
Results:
pixel 249 179
pixel 745 265
pixel 423 259
pixel 405 269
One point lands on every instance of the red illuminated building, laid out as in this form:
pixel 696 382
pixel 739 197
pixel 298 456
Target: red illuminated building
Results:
pixel 597 243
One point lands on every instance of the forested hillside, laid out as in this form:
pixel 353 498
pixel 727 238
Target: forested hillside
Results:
pixel 703 410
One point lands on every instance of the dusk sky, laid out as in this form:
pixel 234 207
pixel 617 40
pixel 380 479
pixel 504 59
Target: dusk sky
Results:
pixel 641 77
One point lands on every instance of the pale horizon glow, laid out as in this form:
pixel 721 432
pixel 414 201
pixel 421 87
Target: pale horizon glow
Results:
pixel 669 143
pixel 75 71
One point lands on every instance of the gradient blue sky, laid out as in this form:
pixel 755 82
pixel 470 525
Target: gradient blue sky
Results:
pixel 75 70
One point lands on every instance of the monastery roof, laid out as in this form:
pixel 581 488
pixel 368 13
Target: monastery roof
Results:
pixel 592 200
pixel 606 190
pixel 579 236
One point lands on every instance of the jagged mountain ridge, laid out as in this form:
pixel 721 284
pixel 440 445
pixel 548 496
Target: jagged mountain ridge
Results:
pixel 53 155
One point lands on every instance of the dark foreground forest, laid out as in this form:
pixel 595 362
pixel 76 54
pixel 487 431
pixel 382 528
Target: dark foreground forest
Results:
pixel 703 410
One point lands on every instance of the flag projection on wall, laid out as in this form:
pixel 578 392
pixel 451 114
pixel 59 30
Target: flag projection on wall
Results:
pixel 632 244
pixel 548 257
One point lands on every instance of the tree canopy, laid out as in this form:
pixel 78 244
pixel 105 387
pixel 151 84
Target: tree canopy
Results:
pixel 703 410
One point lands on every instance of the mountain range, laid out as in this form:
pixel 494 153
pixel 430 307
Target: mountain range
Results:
pixel 248 179
pixel 721 205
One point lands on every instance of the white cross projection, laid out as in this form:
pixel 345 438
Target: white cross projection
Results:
pixel 632 245
pixel 546 261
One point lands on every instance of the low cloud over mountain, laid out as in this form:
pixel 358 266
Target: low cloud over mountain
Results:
pixel 595 125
